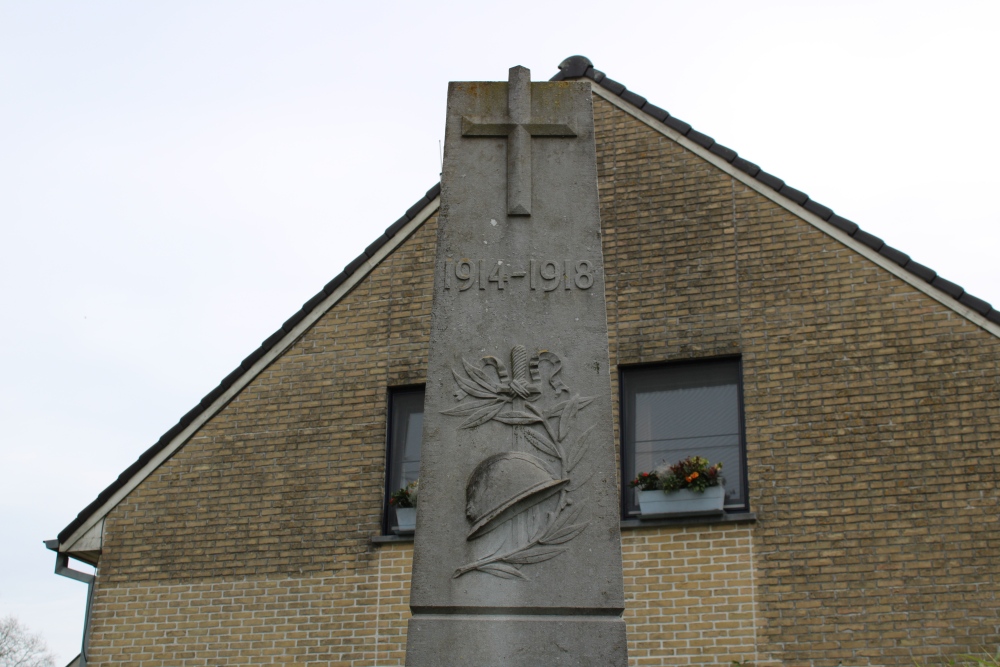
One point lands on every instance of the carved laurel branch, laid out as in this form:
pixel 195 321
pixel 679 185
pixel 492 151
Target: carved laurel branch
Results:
pixel 558 529
pixel 493 396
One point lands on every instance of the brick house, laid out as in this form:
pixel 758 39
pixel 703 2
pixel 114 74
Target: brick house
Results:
pixel 851 392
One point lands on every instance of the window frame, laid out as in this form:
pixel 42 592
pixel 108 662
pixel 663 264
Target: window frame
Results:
pixel 626 424
pixel 391 457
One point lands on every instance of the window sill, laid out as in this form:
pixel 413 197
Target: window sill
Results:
pixel 627 524
pixel 392 539
pixel 729 517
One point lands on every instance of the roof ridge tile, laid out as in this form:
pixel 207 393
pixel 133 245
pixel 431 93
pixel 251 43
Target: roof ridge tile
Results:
pixel 870 240
pixel 727 154
pixel 919 270
pixel 796 196
pixel 746 166
pixel 702 140
pixel 612 85
pixel 818 209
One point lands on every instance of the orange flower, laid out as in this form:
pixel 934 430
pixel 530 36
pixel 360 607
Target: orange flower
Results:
pixel 693 476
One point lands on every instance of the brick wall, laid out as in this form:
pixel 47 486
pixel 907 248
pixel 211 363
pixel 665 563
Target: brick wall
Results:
pixel 689 596
pixel 350 618
pixel 871 415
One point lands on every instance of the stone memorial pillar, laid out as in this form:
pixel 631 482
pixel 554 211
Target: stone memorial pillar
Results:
pixel 517 559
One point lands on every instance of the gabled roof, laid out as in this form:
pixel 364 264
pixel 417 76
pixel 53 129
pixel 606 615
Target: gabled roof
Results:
pixel 574 67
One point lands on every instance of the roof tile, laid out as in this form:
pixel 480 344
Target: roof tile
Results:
pixel 920 271
pixel 188 417
pixel 335 283
pixel 231 378
pixel 292 322
pixel 770 181
pixel 746 166
pixel 212 396
pixel 633 99
pixel 869 240
pixel 796 196
pixel 975 304
pixel 396 226
pixel 612 85
pixel 273 339
pixel 843 224
pixel 254 356
pixel 818 209
pixel 572 67
pixel 727 154
pixel 900 258
pixel 415 210
pixel 702 140
pixel 655 111
pixel 355 264
pixel 677 125
pixel 376 244
pixel 313 302
pixel 948 287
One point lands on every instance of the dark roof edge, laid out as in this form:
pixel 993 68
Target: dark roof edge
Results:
pixel 580 67
pixel 269 343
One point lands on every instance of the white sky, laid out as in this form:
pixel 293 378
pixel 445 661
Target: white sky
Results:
pixel 177 178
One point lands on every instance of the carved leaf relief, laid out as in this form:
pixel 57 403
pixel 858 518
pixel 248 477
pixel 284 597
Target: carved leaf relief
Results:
pixel 507 487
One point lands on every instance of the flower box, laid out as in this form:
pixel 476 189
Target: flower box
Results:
pixel 683 502
pixel 406 520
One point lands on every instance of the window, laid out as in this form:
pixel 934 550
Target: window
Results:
pixel 672 411
pixel 406 425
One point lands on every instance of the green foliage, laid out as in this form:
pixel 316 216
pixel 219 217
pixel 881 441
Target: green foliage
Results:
pixel 691 473
pixel 646 481
pixel 406 496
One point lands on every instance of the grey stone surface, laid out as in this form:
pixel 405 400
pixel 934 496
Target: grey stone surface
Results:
pixel 505 640
pixel 517 550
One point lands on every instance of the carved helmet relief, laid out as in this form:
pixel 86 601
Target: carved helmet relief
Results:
pixel 506 487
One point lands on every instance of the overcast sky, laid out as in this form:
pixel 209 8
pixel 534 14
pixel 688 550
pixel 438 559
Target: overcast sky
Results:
pixel 177 178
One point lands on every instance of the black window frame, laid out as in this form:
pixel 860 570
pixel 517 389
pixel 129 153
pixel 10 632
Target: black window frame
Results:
pixel 392 456
pixel 627 425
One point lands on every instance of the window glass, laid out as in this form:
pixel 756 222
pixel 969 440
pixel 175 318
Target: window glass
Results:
pixel 672 411
pixel 406 425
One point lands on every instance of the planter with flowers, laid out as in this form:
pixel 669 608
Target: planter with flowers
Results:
pixel 404 502
pixel 689 487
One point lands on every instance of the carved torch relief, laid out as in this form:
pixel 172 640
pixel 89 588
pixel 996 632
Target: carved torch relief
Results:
pixel 506 494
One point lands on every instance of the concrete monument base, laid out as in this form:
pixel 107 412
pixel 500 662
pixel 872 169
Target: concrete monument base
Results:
pixel 450 640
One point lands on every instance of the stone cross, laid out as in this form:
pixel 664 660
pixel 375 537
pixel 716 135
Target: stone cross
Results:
pixel 517 554
pixel 518 128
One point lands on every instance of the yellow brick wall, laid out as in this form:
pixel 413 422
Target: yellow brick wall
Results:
pixel 354 619
pixel 871 420
pixel 872 411
pixel 689 596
